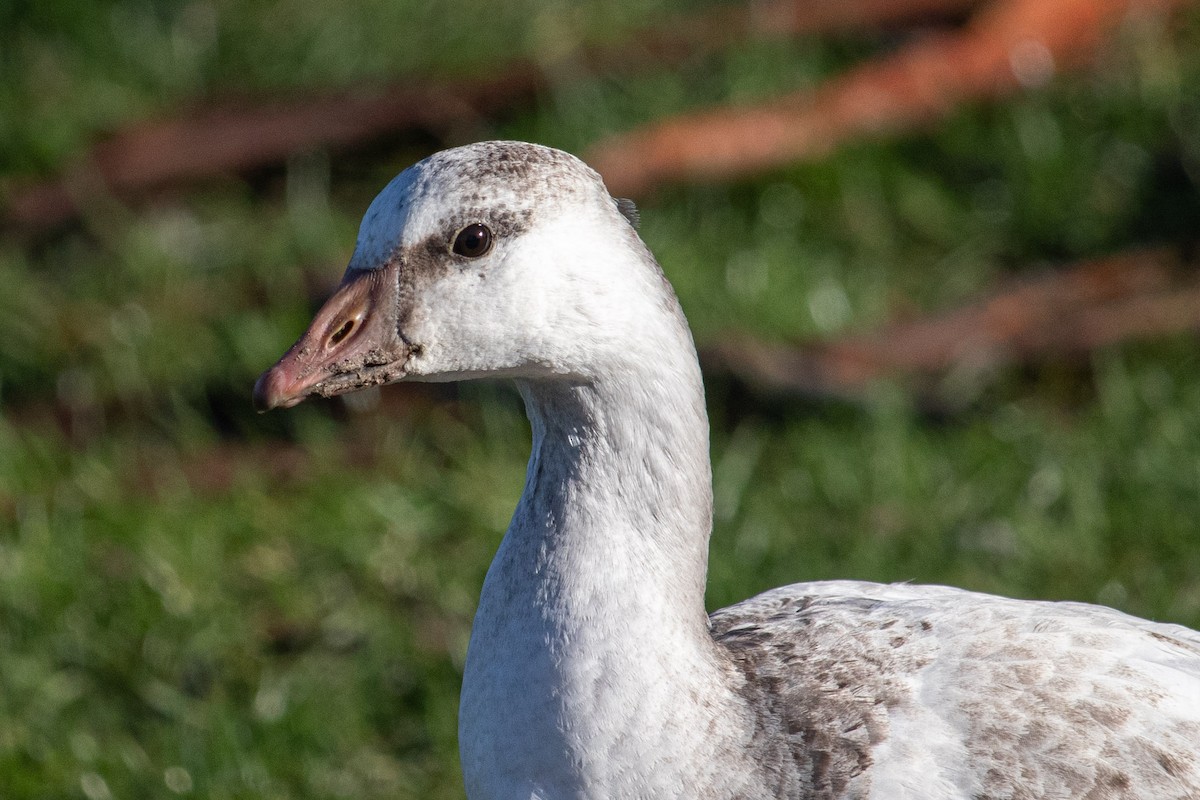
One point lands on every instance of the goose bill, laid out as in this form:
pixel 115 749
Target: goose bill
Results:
pixel 352 343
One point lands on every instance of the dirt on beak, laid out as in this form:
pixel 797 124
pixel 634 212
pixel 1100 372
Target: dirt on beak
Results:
pixel 352 343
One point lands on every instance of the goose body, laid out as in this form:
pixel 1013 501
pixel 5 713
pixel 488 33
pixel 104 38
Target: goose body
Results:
pixel 593 670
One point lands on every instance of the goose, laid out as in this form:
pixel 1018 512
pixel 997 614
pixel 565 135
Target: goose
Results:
pixel 593 670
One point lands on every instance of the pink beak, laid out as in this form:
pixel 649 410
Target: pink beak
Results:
pixel 352 343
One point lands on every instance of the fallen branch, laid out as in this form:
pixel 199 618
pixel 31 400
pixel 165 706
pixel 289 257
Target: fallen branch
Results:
pixel 236 137
pixel 1137 295
pixel 1007 46
pixel 230 139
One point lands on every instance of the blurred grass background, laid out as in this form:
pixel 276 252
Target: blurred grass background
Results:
pixel 195 600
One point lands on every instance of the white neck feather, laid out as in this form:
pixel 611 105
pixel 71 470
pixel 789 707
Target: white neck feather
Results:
pixel 591 631
pixel 619 484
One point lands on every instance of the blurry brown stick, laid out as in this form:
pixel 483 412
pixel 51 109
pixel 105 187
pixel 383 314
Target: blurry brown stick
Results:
pixel 1008 45
pixel 229 138
pixel 217 141
pixel 1129 296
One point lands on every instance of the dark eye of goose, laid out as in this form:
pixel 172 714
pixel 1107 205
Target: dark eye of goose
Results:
pixel 473 240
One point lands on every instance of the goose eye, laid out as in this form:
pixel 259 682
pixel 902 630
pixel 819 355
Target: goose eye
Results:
pixel 473 241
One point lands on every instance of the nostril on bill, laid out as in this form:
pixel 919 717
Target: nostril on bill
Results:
pixel 341 333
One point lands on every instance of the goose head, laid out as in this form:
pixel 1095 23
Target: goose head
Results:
pixel 494 259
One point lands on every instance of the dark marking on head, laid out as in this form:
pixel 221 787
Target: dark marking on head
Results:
pixel 504 223
pixel 629 211
pixel 417 267
pixel 530 174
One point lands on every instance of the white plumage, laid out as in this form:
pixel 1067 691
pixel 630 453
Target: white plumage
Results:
pixel 593 670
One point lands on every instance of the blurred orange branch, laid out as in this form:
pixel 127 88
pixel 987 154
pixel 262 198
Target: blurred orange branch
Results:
pixel 1008 45
pixel 1128 296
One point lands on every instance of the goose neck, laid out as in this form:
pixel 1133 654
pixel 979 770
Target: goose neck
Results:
pixel 619 482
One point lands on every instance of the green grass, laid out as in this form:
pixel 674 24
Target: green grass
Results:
pixel 198 600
